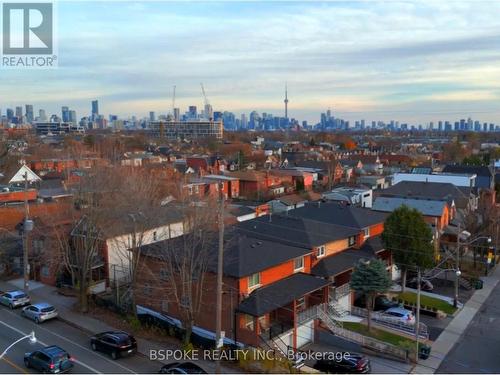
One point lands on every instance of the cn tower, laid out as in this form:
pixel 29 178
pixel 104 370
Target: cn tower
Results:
pixel 286 101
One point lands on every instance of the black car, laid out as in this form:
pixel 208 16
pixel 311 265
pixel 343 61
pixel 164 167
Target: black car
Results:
pixel 425 285
pixel 382 303
pixel 182 368
pixel 115 343
pixel 344 363
pixel 51 359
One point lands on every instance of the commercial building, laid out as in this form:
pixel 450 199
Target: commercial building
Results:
pixel 187 129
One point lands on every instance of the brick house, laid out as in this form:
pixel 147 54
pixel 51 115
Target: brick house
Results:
pixel 278 271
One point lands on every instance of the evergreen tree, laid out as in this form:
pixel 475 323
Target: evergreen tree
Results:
pixel 370 278
pixel 409 238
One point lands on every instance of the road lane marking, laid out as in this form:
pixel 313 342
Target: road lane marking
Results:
pixel 73 343
pixel 41 342
pixel 14 365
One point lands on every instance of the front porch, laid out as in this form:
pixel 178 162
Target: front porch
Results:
pixel 281 316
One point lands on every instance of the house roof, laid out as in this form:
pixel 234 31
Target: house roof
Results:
pixel 426 206
pixel 295 231
pixel 346 260
pixel 469 169
pixel 244 254
pixel 422 189
pixel 280 293
pixel 292 199
pixel 340 214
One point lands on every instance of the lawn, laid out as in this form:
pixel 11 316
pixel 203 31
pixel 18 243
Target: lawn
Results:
pixel 379 334
pixel 427 301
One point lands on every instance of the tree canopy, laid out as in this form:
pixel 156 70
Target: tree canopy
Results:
pixel 409 238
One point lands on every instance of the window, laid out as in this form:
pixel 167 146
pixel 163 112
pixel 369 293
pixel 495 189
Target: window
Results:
pixel 254 280
pixel 164 306
pixel 148 290
pixel 155 238
pixel 45 271
pixel 298 264
pixel 185 301
pixel 321 251
pixel 367 232
pixel 164 274
pixel 352 240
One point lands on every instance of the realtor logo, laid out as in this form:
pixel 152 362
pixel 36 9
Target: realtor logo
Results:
pixel 28 35
pixel 27 29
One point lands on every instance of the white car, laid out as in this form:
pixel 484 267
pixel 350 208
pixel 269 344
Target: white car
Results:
pixel 40 312
pixel 13 299
pixel 399 314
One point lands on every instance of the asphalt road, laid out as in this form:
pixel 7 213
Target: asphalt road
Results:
pixel 55 332
pixel 477 349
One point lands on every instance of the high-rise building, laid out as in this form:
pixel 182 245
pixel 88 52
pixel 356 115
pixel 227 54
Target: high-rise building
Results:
pixel 95 108
pixel 152 116
pixel 30 116
pixel 244 121
pixel 72 117
pixel 19 112
pixel 177 114
pixel 187 129
pixel 208 112
pixel 65 114
pixel 42 116
pixel 10 114
pixel 192 112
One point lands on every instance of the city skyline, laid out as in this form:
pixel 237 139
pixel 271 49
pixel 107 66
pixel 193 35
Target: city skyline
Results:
pixel 407 61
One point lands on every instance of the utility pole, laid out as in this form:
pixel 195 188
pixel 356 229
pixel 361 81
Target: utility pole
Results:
pixel 27 227
pixel 220 257
pixel 417 322
pixel 457 268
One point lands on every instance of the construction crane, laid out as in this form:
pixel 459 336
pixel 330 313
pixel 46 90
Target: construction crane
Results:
pixel 204 95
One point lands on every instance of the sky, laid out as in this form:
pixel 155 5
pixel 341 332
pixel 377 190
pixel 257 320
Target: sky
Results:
pixel 411 61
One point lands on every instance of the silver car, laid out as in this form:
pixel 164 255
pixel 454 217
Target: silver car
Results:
pixel 14 299
pixel 40 312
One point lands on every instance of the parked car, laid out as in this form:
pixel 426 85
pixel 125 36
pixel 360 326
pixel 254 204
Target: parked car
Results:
pixel 182 368
pixel 382 303
pixel 40 312
pixel 51 359
pixel 425 285
pixel 400 315
pixel 115 343
pixel 15 298
pixel 347 363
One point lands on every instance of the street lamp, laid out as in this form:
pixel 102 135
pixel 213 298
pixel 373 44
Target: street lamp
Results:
pixel 31 337
pixel 457 260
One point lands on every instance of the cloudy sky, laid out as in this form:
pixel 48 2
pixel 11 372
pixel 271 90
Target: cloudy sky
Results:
pixel 413 61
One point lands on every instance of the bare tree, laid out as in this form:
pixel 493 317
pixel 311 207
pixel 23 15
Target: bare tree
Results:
pixel 182 265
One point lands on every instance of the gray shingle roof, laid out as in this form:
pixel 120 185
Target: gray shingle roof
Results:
pixel 295 231
pixel 280 293
pixel 340 214
pixel 425 206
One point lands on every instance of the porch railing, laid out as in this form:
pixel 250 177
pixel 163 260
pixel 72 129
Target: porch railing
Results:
pixel 342 291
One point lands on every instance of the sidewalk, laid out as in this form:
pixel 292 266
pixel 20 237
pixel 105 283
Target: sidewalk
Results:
pixel 457 326
pixel 90 325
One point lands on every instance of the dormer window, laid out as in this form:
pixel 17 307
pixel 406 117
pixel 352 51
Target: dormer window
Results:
pixel 366 232
pixel 321 251
pixel 298 264
pixel 352 240
pixel 254 281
